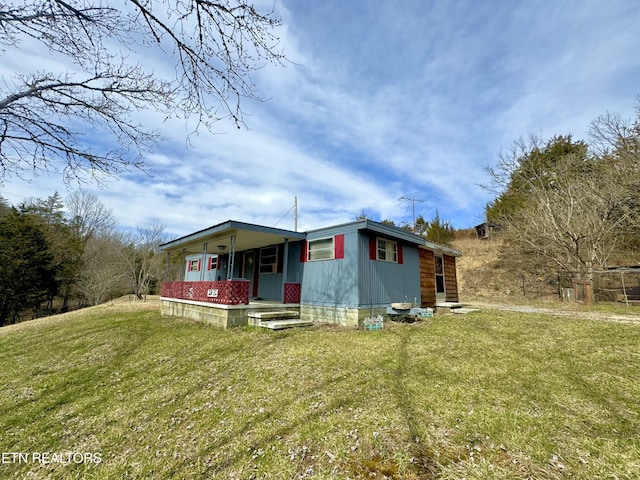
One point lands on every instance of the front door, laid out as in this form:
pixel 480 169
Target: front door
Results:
pixel 441 294
pixel 248 269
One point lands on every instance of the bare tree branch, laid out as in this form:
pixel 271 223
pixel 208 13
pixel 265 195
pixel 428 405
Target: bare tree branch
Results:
pixel 51 120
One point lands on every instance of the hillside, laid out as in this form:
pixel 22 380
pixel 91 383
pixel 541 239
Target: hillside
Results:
pixel 482 276
pixel 117 391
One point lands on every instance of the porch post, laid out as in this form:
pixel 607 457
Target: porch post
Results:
pixel 232 257
pixel 204 260
pixel 182 265
pixel 166 268
pixel 285 263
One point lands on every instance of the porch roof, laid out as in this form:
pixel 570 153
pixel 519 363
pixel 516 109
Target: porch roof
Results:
pixel 218 238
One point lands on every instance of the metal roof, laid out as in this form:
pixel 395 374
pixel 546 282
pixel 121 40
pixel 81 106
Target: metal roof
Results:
pixel 248 236
pixel 218 237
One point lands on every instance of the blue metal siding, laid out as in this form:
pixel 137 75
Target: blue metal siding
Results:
pixel 332 282
pixel 356 280
pixel 382 283
pixel 204 273
pixel 270 286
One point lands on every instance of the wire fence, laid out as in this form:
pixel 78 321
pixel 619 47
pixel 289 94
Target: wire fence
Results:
pixel 620 284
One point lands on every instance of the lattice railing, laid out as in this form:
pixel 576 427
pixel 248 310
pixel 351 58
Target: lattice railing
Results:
pixel 291 293
pixel 223 292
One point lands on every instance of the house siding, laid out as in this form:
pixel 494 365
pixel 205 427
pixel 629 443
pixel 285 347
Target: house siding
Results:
pixel 332 282
pixel 382 283
pixel 450 278
pixel 294 267
pixel 427 278
pixel 204 273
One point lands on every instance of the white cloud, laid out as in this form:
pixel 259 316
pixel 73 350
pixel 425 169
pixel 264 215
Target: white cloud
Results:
pixel 378 101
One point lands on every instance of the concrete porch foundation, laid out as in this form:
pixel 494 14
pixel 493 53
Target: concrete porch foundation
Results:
pixel 219 315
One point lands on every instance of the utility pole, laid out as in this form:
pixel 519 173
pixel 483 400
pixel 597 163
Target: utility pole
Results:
pixel 295 214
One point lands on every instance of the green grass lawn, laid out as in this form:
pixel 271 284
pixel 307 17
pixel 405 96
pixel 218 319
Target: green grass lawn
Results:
pixel 483 395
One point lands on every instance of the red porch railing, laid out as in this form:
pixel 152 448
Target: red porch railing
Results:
pixel 291 292
pixel 223 292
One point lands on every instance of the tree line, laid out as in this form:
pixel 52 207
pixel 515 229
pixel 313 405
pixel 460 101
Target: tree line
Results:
pixel 436 230
pixel 58 255
pixel 566 205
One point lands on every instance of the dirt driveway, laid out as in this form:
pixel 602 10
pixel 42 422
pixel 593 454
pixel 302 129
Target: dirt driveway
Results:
pixel 598 316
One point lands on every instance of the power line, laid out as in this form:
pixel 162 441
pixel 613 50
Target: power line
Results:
pixel 294 206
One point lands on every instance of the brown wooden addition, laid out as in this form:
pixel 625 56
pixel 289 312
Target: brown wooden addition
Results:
pixel 428 288
pixel 450 278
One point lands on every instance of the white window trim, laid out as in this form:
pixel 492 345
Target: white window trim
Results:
pixel 387 242
pixel 333 249
pixel 274 265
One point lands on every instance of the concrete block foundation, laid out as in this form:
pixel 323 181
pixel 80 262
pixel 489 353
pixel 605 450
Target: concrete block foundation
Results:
pixel 345 316
pixel 214 314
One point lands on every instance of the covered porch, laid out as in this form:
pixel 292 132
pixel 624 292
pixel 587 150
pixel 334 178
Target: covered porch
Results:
pixel 231 269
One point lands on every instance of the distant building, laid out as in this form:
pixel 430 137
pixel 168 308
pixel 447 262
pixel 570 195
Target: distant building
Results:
pixel 485 230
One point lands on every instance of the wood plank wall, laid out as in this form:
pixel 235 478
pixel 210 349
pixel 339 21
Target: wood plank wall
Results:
pixel 450 278
pixel 427 278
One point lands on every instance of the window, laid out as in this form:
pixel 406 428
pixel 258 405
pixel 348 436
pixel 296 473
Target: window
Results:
pixel 269 259
pixel 386 250
pixel 439 269
pixel 321 249
pixel 193 265
pixel 213 263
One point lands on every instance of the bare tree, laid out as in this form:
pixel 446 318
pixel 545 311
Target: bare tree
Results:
pixel 575 223
pixel 611 134
pixel 88 216
pixel 104 272
pixel 48 118
pixel 563 207
pixel 144 264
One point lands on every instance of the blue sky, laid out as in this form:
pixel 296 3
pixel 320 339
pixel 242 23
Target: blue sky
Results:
pixel 382 100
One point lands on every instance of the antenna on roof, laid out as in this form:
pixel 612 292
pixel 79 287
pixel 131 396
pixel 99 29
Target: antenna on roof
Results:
pixel 412 198
pixel 413 201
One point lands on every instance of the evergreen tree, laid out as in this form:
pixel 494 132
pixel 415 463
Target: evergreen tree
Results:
pixel 27 276
pixel 65 247
pixel 439 231
pixel 528 166
pixel 562 207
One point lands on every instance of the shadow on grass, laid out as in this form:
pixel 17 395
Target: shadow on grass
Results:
pixel 277 413
pixel 429 458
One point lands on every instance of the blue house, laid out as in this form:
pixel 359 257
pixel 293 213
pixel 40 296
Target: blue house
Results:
pixel 341 274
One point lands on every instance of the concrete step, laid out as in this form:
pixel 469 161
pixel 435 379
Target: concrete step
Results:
pixel 448 304
pixel 273 315
pixel 447 307
pixel 463 311
pixel 280 324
